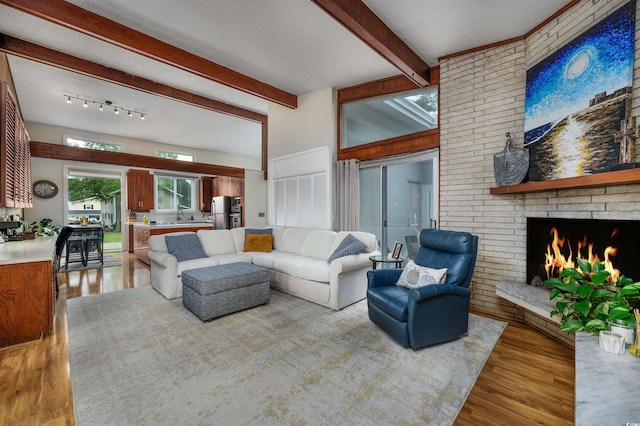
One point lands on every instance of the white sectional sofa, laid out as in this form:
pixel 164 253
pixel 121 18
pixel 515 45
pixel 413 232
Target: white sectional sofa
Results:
pixel 297 264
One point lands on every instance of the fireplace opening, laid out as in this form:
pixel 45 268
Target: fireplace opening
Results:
pixel 555 244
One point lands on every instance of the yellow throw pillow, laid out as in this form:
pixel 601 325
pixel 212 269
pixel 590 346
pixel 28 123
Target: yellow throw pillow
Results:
pixel 258 242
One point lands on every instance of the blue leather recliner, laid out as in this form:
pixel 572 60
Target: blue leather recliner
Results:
pixel 434 313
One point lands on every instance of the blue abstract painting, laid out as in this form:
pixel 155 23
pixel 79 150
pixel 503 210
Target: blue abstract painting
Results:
pixel 576 97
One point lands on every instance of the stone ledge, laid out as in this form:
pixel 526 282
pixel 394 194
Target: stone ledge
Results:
pixel 534 299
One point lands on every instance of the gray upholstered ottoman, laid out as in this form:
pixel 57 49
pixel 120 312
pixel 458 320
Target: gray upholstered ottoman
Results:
pixel 222 289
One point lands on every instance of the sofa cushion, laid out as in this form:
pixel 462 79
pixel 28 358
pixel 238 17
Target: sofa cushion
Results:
pixel 414 276
pixel 365 237
pixel 184 247
pixel 258 242
pixel 217 241
pixel 293 239
pixel 348 246
pixel 278 236
pixel 318 243
pixel 266 260
pixel 308 268
pixel 196 263
pixel 238 237
pixel 223 259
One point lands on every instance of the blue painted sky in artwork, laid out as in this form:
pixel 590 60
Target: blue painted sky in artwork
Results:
pixel 599 60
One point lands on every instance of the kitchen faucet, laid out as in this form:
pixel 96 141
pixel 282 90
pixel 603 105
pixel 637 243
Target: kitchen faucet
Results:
pixel 179 213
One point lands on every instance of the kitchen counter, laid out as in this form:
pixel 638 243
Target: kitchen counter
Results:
pixel 606 385
pixel 36 250
pixel 177 225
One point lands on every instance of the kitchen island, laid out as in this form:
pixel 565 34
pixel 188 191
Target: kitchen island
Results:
pixel 141 233
pixel 27 290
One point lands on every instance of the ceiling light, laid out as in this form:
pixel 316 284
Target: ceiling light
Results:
pixel 116 108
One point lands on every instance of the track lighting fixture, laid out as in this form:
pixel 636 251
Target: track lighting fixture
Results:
pixel 116 108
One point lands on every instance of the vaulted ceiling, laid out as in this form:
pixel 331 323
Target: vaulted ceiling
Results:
pixel 233 56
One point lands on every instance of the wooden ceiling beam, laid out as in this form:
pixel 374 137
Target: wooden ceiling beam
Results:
pixel 44 55
pixel 78 19
pixel 364 24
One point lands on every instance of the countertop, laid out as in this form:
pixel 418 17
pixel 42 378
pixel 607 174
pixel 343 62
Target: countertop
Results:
pixel 181 224
pixel 36 250
pixel 607 390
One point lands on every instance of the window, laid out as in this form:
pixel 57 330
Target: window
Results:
pixel 174 192
pixel 386 117
pixel 174 156
pixel 93 144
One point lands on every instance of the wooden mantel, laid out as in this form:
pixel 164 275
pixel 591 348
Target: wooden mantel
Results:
pixel 619 177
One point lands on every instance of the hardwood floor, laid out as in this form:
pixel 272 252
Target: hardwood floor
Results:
pixel 528 379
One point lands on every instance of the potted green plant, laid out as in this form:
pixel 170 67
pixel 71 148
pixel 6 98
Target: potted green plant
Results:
pixel 44 227
pixel 588 301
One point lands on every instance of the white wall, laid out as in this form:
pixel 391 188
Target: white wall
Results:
pixel 312 125
pixel 255 199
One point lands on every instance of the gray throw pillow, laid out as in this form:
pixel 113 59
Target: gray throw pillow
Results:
pixel 184 247
pixel 350 245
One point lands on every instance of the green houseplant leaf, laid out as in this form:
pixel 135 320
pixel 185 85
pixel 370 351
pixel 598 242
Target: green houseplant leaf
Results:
pixel 588 301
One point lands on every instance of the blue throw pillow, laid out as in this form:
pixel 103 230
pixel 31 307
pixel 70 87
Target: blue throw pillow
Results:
pixel 184 247
pixel 350 245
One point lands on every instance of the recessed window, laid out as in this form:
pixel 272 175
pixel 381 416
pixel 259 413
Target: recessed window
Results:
pixel 387 117
pixel 93 144
pixel 173 193
pixel 174 156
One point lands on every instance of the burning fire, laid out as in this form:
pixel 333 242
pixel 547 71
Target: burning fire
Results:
pixel 556 261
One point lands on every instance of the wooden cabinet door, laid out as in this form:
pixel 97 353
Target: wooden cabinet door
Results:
pixel 26 301
pixel 139 190
pixel 141 244
pixel 224 185
pixel 205 193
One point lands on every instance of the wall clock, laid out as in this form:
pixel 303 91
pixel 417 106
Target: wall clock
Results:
pixel 45 189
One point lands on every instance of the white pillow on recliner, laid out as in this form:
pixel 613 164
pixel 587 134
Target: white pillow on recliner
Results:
pixel 414 276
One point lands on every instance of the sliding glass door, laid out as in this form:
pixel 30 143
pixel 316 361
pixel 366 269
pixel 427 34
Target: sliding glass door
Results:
pixel 397 199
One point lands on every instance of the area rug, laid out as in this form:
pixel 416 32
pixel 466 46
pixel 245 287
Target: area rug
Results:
pixel 137 358
pixel 108 261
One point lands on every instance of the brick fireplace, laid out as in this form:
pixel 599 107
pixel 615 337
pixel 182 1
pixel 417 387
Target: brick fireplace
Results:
pixel 556 243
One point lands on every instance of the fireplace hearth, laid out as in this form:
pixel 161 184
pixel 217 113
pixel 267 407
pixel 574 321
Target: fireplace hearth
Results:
pixel 555 244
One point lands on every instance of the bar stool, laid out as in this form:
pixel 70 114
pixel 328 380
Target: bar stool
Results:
pixel 74 250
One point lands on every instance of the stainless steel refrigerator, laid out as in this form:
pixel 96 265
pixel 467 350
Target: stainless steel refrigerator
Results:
pixel 220 210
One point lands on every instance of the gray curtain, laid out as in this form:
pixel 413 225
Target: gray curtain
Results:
pixel 348 195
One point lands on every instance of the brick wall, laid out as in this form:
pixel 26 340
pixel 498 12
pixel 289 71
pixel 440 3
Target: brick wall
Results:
pixel 482 96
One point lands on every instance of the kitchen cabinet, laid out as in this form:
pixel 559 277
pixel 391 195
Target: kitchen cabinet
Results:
pixel 139 190
pixel 205 193
pixel 15 154
pixel 231 186
pixel 141 243
pixel 27 290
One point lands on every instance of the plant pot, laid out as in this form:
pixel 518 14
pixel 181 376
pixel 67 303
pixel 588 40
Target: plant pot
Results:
pixel 29 236
pixel 624 329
